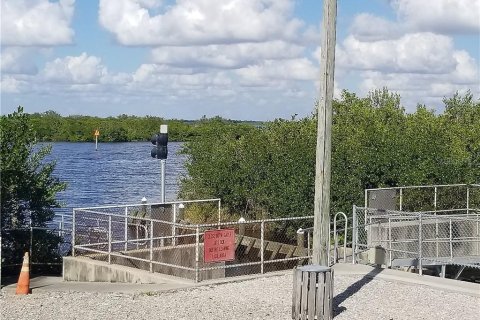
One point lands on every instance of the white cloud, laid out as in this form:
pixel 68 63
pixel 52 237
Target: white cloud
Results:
pixel 203 22
pixel 9 84
pixel 412 53
pixel 427 88
pixel 227 56
pixel 368 27
pixel 414 16
pixel 151 73
pixel 36 22
pixel 272 71
pixel 154 76
pixel 443 16
pixel 18 60
pixel 82 69
pixel 466 71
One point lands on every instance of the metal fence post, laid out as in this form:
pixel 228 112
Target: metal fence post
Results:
pixel 174 220
pixel 436 220
pixel 73 233
pixel 335 237
pixel 109 239
pixel 62 225
pixel 451 240
pixel 420 265
pixel 126 228
pixel 197 253
pixel 436 237
pixel 151 245
pixel 219 212
pixel 401 199
pixel 468 199
pixel 262 231
pixel 301 239
pixel 354 233
pixel 366 198
pixel 389 242
pixel 31 240
pixel 478 233
pixel 309 246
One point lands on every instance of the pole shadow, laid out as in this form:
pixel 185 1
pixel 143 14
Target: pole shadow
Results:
pixel 353 289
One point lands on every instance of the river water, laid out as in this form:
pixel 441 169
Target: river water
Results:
pixel 118 173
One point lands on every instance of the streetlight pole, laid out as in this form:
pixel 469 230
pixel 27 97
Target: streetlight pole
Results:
pixel 324 137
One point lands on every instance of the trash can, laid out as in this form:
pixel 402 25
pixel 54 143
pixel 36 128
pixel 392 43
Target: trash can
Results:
pixel 312 293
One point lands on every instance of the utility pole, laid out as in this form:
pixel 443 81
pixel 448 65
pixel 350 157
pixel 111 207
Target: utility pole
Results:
pixel 324 136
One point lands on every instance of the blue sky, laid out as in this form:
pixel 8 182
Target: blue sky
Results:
pixel 249 59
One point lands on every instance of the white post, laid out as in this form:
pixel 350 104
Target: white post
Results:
pixel 109 239
pixel 389 242
pixel 262 231
pixel 126 229
pixel 73 233
pixel 401 199
pixel 468 199
pixel 197 253
pixel 324 140
pixel 219 212
pixel 162 186
pixel 151 245
pixel 174 220
pixel 451 240
pixel 354 233
pixel 420 264
pixel 435 195
pixel 241 226
pixel 163 129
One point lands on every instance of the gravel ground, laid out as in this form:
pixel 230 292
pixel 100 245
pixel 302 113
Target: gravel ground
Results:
pixel 263 298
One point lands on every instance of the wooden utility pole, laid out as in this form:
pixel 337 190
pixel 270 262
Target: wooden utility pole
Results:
pixel 324 136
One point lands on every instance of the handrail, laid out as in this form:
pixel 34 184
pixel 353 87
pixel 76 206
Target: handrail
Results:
pixel 335 237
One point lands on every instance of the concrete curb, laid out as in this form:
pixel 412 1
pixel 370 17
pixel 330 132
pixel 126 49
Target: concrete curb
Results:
pixel 469 288
pixel 170 283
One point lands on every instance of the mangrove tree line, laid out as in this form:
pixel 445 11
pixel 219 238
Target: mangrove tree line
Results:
pixel 269 171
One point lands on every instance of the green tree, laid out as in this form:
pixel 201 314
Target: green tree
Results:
pixel 28 192
pixel 268 171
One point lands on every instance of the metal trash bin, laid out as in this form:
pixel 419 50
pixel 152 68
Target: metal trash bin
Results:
pixel 312 293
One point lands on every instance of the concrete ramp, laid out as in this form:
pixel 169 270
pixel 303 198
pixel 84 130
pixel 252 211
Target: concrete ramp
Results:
pixel 88 270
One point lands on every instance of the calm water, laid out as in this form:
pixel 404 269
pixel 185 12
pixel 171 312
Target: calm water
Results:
pixel 118 173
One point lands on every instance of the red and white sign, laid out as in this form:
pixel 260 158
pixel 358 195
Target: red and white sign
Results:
pixel 219 245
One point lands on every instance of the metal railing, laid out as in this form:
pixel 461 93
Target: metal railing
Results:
pixel 424 198
pixel 153 237
pixel 60 225
pixel 418 238
pixel 341 235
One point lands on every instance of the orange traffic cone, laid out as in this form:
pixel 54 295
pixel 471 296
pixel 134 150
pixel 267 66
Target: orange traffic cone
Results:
pixel 23 284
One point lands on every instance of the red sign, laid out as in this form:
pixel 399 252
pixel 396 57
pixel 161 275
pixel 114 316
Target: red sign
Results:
pixel 219 245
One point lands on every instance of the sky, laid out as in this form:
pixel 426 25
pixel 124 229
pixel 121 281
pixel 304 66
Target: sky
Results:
pixel 239 59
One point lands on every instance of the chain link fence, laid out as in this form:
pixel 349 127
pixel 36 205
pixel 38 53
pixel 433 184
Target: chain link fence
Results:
pixel 416 239
pixel 46 246
pixel 157 238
